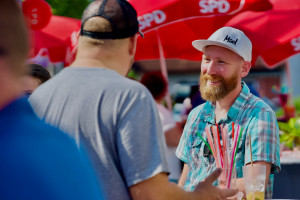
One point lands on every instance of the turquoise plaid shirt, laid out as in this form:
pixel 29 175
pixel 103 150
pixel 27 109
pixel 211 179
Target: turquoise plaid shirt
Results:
pixel 248 111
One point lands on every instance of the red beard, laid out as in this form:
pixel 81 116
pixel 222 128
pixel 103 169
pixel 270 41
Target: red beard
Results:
pixel 217 92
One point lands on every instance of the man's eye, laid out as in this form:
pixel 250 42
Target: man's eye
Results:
pixel 221 62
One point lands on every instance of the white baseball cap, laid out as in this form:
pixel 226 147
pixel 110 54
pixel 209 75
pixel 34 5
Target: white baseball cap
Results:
pixel 230 38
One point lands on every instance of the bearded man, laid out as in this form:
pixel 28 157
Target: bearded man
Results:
pixel 226 60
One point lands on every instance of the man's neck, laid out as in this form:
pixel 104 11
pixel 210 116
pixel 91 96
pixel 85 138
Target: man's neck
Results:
pixel 91 62
pixel 223 105
pixel 82 62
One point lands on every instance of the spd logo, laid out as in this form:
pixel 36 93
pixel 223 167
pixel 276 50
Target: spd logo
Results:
pixel 296 43
pixel 214 6
pixel 156 17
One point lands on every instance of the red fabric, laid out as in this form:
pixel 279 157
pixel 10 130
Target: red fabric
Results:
pixel 55 47
pixel 177 39
pixel 179 22
pixel 37 13
pixel 145 6
pixel 58 37
pixel 62 27
pixel 275 34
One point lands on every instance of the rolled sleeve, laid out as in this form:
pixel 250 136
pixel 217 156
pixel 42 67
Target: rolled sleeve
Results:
pixel 264 133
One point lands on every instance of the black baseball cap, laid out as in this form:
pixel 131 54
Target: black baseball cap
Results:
pixel 122 17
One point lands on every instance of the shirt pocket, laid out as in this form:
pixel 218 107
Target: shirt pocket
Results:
pixel 198 155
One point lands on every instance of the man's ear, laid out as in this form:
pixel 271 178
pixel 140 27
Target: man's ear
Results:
pixel 245 68
pixel 132 45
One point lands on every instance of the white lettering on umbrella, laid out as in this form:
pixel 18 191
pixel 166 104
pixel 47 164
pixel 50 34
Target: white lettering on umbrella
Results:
pixel 209 6
pixel 34 16
pixel 156 16
pixel 296 43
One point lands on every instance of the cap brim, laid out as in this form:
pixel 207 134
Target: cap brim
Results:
pixel 200 44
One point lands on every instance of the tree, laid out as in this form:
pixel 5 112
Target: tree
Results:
pixel 68 8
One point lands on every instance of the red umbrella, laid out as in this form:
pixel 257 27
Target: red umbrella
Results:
pixel 170 26
pixel 146 6
pixel 58 38
pixel 275 34
pixel 62 27
pixel 43 44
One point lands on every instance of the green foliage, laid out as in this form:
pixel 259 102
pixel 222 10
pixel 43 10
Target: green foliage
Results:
pixel 297 105
pixel 279 112
pixel 68 8
pixel 132 75
pixel 291 132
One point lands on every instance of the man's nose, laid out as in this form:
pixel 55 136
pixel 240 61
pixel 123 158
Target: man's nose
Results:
pixel 211 68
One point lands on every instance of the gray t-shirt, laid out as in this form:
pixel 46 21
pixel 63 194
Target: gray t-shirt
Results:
pixel 114 117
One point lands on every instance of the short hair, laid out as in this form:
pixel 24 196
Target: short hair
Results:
pixel 156 84
pixel 14 43
pixel 95 23
pixel 38 71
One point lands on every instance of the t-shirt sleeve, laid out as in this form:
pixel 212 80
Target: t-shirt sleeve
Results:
pixel 264 140
pixel 140 143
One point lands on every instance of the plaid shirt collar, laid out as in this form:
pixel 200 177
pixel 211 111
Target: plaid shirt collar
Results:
pixel 209 107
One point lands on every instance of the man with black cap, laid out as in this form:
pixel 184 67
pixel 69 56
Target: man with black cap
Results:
pixel 37 161
pixel 114 116
pixel 226 60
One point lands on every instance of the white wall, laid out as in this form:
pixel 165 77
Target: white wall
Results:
pixel 294 69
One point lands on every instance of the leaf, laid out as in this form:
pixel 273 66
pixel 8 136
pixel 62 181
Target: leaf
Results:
pixel 284 127
pixel 292 122
pixel 289 143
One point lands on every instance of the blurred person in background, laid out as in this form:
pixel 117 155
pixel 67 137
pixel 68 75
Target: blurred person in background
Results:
pixel 37 160
pixel 114 116
pixel 37 75
pixel 158 87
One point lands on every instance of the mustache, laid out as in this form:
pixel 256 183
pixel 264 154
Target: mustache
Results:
pixel 212 77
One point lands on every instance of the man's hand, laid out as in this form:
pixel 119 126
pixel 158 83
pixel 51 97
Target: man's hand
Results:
pixel 207 191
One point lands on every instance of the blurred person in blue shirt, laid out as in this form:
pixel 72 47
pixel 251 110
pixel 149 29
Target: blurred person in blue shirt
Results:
pixel 37 160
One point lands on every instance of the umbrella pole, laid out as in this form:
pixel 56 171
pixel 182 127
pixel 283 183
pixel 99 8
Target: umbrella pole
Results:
pixel 163 68
pixel 288 73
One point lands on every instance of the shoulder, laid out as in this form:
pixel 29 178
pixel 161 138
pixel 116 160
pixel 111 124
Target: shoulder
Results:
pixel 251 102
pixel 35 135
pixel 54 159
pixel 195 113
pixel 48 134
pixel 257 105
pixel 259 112
pixel 198 109
pixel 131 89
